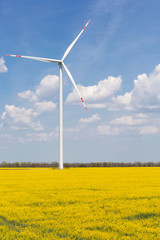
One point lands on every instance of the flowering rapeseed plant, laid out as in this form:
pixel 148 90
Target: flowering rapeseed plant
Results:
pixel 80 203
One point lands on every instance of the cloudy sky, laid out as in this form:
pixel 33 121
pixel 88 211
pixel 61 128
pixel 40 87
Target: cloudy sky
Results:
pixel 115 64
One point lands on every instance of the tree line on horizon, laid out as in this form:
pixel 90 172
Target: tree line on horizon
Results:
pixel 74 165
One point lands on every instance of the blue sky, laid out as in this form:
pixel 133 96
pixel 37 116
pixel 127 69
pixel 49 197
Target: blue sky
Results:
pixel 115 65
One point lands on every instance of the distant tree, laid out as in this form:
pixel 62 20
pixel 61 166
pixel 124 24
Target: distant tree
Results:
pixel 4 164
pixel 17 164
pixel 91 164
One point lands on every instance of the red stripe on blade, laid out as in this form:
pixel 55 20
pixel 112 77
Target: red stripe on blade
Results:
pixel 18 56
pixel 82 100
pixel 84 27
pixel 8 54
pixel 86 108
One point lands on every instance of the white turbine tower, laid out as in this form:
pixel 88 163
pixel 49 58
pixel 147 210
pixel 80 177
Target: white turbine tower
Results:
pixel 61 64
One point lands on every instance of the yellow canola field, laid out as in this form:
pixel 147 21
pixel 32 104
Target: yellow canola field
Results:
pixel 80 203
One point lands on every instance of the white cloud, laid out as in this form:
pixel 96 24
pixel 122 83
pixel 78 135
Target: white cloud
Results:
pixel 149 130
pixel 105 89
pixel 74 130
pixel 130 120
pixel 46 136
pixel 20 114
pixel 39 137
pixel 6 136
pixel 3 67
pixel 44 90
pixel 109 130
pixel 131 130
pixel 20 118
pixel 136 124
pixel 92 119
pixel 121 101
pixel 44 106
pixel 96 105
pixel 28 95
pixel 145 94
pixel 47 85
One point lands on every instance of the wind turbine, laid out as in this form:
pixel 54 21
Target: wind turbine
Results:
pixel 61 64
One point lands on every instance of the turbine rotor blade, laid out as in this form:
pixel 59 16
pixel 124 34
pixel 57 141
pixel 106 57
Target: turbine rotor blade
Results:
pixel 72 44
pixel 73 82
pixel 36 58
